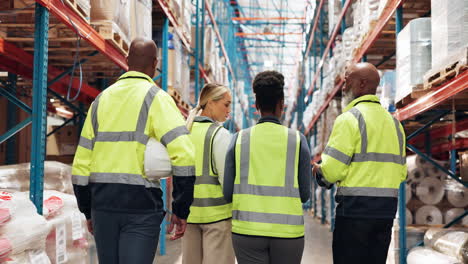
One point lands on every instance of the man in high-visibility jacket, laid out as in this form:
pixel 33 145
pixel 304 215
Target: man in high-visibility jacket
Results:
pixel 126 208
pixel 365 156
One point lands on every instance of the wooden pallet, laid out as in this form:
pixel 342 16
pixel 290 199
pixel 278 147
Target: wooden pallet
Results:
pixel 77 8
pixel 106 30
pixel 417 92
pixel 178 98
pixel 451 70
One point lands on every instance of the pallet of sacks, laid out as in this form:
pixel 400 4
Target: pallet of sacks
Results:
pixel 58 236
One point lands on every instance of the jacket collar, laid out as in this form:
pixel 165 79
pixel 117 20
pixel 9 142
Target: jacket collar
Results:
pixel 136 75
pixel 203 119
pixel 272 119
pixel 364 98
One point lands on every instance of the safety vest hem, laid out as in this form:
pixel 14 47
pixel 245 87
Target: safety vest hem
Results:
pixel 256 232
pixel 209 220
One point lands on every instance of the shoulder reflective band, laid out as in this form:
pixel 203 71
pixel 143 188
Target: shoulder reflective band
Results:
pixel 288 190
pixel 365 156
pixel 338 155
pixel 268 218
pixel 121 178
pixel 173 134
pixel 367 191
pixel 126 136
pixel 86 143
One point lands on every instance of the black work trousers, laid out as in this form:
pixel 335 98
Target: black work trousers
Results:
pixel 123 238
pixel 361 240
pixel 267 250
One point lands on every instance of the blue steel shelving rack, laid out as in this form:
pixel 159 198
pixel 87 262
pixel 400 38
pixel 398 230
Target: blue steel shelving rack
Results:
pixel 427 102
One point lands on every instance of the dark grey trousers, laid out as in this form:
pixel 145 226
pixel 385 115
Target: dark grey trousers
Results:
pixel 267 250
pixel 123 238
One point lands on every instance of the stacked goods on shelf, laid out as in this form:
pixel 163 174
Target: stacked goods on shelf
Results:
pixel 238 115
pixel 388 88
pixel 112 20
pixel 463 165
pixel 84 7
pixel 449 40
pixel 210 49
pixel 413 56
pixel 140 19
pixel 62 142
pixel 186 20
pixel 432 197
pixel 60 235
pixel 178 70
pixel 23 231
pixel 441 246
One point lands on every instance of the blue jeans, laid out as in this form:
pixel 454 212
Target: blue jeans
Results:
pixel 124 238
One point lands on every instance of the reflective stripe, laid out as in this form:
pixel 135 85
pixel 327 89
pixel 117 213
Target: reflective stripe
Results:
pixel 338 155
pixel 86 143
pixel 362 128
pixel 276 191
pixel 400 135
pixel 143 116
pixel 183 170
pixel 207 180
pixel 173 134
pixel 121 178
pixel 288 190
pixel 379 157
pixel 367 191
pixel 128 136
pixel 80 180
pixel 207 202
pixel 94 118
pixel 290 163
pixel 268 218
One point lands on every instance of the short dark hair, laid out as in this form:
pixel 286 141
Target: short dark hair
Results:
pixel 268 88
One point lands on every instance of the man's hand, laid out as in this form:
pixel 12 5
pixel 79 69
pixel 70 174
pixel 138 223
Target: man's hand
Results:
pixel 315 168
pixel 89 223
pixel 179 225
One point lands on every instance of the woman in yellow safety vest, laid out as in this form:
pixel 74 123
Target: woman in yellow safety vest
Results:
pixel 267 178
pixel 207 239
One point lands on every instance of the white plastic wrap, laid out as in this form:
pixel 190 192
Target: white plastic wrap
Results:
pixel 449 28
pixel 157 161
pixel 413 56
pixel 25 230
pixel 28 257
pixel 57 176
pixel 430 191
pixel 409 217
pixel 424 255
pixel 453 243
pixel 115 11
pixel 457 194
pixel 453 213
pixel 140 17
pixel 85 6
pixel 387 83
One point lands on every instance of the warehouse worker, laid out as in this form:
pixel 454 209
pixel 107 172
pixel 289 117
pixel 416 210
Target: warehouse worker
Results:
pixel 267 178
pixel 126 209
pixel 207 239
pixel 365 156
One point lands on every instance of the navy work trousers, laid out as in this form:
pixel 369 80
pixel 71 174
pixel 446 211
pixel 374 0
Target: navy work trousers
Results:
pixel 124 238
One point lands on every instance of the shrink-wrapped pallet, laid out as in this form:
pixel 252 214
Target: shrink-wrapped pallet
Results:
pixel 387 84
pixel 449 28
pixel 114 13
pixel 424 255
pixel 141 24
pixel 453 243
pixel 413 56
pixel 57 176
pixel 25 230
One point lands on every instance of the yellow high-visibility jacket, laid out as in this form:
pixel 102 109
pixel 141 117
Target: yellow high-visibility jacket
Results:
pixel 366 157
pixel 108 171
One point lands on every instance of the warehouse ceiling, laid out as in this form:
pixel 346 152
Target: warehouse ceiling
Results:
pixel 273 34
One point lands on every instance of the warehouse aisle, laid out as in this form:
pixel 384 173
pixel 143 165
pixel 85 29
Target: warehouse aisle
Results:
pixel 317 246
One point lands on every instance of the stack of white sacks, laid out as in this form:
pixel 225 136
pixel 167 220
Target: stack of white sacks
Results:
pixel 58 236
pixel 441 246
pixel 432 197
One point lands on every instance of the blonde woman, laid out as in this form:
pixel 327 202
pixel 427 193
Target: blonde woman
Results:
pixel 207 239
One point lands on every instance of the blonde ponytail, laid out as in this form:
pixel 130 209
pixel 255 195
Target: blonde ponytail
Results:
pixel 191 117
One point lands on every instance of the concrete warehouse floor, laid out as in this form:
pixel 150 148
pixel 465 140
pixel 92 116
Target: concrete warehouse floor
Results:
pixel 318 241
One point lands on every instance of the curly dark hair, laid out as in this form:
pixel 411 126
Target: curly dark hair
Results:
pixel 268 88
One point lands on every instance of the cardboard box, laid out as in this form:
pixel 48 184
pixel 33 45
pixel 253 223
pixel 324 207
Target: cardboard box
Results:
pixel 62 142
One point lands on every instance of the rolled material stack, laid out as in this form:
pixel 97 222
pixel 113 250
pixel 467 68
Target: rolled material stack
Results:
pixel 441 246
pixel 141 19
pixel 432 197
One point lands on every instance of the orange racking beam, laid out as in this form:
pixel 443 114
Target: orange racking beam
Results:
pixel 267 33
pixel 266 18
